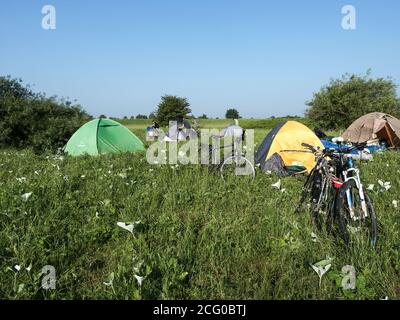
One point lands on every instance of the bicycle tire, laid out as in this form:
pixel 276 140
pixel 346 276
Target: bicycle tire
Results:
pixel 226 162
pixel 306 190
pixel 343 218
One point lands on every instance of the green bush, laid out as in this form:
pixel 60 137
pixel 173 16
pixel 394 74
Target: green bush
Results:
pixel 31 120
pixel 344 100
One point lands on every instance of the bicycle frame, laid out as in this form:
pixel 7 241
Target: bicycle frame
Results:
pixel 323 168
pixel 232 155
pixel 353 173
pixel 233 148
pixel 347 171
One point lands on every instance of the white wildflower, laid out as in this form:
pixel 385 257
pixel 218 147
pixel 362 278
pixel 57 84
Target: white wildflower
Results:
pixel 277 185
pixel 385 184
pixel 136 265
pixel 313 237
pixel 110 281
pixel 139 279
pixel 353 230
pixel 322 267
pixel 128 227
pixel 123 175
pixel 26 196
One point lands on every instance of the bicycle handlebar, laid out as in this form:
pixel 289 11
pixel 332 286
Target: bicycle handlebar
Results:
pixel 357 146
pixel 326 152
pixel 310 147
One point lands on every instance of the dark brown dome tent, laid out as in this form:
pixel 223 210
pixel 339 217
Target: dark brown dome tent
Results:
pixel 375 125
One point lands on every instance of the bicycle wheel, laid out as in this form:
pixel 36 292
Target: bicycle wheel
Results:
pixel 307 190
pixel 323 205
pixel 232 166
pixel 352 223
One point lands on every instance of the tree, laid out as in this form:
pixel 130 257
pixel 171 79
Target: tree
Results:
pixel 152 115
pixel 344 100
pixel 14 88
pixel 232 114
pixel 171 108
pixel 31 120
pixel 103 116
pixel 141 116
pixel 203 116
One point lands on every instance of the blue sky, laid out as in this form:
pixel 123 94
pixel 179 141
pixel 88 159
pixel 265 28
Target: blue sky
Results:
pixel 262 57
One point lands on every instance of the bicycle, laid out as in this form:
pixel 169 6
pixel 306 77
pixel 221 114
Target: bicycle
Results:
pixel 353 206
pixel 321 187
pixel 341 191
pixel 234 162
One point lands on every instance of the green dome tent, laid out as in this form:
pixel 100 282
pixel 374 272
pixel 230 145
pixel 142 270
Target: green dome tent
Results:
pixel 101 136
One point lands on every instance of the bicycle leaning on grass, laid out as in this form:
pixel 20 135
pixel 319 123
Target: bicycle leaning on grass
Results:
pixel 335 189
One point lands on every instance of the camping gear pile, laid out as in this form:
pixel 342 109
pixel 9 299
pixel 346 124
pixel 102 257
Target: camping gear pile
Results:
pixel 365 154
pixel 153 130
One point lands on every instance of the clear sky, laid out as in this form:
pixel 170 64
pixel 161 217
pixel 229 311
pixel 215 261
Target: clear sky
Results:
pixel 262 57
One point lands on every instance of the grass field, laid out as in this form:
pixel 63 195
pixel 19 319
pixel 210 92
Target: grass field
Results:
pixel 261 126
pixel 265 124
pixel 198 236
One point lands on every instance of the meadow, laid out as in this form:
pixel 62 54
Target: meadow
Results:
pixel 194 236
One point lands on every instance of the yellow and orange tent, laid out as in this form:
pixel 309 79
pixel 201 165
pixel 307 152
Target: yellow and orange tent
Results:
pixel 286 140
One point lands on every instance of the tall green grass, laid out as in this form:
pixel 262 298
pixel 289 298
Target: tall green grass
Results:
pixel 198 237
